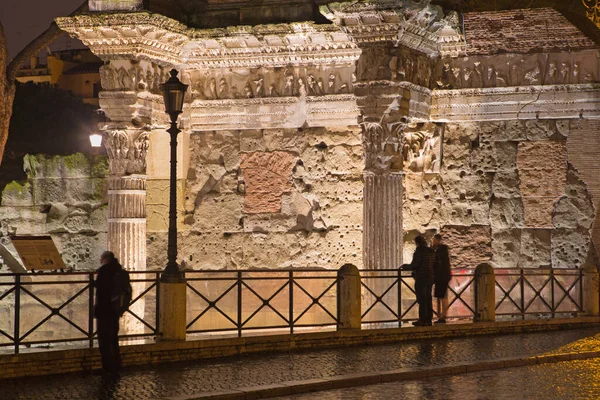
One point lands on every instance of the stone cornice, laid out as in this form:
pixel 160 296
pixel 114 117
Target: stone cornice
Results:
pixel 168 42
pixel 525 102
pixel 421 27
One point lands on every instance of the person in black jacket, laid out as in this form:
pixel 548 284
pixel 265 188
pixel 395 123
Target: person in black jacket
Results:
pixel 422 267
pixel 107 318
pixel 443 275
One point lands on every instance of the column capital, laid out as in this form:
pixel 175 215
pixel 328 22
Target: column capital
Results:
pixel 127 149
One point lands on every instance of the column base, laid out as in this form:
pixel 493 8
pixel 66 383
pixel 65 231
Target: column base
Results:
pixel 172 312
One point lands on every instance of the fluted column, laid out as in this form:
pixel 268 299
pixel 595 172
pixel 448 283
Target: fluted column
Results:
pixel 127 220
pixel 382 211
pixel 382 196
pixel 127 149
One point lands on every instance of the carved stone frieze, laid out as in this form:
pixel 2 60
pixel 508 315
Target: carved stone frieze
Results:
pixel 263 82
pixel 127 150
pixel 421 150
pixel 504 70
pixel 125 75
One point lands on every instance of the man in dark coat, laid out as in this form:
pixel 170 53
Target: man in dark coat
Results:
pixel 422 267
pixel 443 274
pixel 107 318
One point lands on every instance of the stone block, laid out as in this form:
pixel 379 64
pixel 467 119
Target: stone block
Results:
pixel 551 155
pixel 422 186
pixel 464 212
pixel 575 209
pixel 535 248
pixel 291 140
pixel 420 214
pixel 467 186
pixel 469 245
pixel 49 190
pixel 507 131
pixel 492 156
pixel 506 213
pixel 538 211
pixel 252 141
pixel 570 247
pixel 506 248
pixel 505 184
pixel 80 251
pixel 543 182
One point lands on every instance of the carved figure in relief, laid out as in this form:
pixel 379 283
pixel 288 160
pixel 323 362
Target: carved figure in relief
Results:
pixel 421 151
pixel 331 84
pixel 288 90
pixel 564 73
pixel 273 91
pixel 248 91
pixel 125 80
pixel 223 89
pixel 312 85
pixel 212 89
pixel 466 78
pixel 321 86
pixel 259 86
pixel 477 75
pixel 235 94
pixel 150 79
pixel 301 87
pixel 576 73
pixel 552 75
pixel 456 81
pixel 514 75
pixel 533 76
pixel 142 144
pixel 109 77
pixel 344 88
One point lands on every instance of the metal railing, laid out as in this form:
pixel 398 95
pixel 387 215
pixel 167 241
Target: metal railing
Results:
pixel 52 308
pixel 538 292
pixel 261 300
pixel 389 298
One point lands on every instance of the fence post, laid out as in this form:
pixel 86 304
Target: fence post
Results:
pixel 485 294
pixel 172 309
pixel 591 291
pixel 348 297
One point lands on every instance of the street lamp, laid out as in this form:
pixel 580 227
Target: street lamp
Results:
pixel 173 93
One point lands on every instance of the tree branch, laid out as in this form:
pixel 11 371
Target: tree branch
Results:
pixel 37 44
pixel 3 48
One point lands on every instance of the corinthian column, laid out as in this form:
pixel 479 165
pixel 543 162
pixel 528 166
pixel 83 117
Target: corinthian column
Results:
pixel 382 197
pixel 127 151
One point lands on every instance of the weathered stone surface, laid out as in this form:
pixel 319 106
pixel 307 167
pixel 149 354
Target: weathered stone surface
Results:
pixel 17 194
pixel 535 248
pixel 267 177
pixel 550 154
pixel 469 245
pixel 575 209
pixel 464 186
pixel 506 184
pixel 538 211
pixel 491 156
pixel 570 247
pixel 506 213
pixel 506 248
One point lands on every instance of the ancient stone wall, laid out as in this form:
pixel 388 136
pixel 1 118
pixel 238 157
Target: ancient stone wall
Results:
pixel 64 197
pixel 508 192
pixel 270 199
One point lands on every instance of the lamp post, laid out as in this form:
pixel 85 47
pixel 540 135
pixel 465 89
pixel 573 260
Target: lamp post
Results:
pixel 173 93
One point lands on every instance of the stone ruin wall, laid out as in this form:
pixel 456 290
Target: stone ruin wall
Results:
pixel 274 198
pixel 64 197
pixel 513 193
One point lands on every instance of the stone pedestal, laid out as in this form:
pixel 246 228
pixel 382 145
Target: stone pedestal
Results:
pixel 349 298
pixel 485 294
pixel 591 291
pixel 172 311
pixel 382 208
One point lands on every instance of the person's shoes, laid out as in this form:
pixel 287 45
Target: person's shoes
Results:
pixel 417 323
pixel 427 323
pixel 440 321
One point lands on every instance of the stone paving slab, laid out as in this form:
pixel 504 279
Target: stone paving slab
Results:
pixel 320 368
pixel 576 379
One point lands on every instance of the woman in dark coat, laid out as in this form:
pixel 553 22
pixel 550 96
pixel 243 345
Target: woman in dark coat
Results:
pixel 443 274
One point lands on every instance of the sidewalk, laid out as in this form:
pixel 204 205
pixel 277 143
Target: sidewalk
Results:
pixel 189 378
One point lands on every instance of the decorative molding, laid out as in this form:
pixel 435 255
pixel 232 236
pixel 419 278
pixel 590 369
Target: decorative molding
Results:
pixel 143 35
pixel 525 102
pixel 127 150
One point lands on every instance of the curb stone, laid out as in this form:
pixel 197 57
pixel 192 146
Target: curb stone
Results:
pixel 370 378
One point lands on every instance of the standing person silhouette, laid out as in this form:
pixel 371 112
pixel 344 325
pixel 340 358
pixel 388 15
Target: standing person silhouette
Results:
pixel 443 274
pixel 422 267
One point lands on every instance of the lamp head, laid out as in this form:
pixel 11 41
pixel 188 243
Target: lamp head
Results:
pixel 173 93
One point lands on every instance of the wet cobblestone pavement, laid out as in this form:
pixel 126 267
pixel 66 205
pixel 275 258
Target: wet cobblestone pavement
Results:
pixel 564 380
pixel 211 375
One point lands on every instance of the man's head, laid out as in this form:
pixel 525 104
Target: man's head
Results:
pixel 437 239
pixel 107 257
pixel 420 241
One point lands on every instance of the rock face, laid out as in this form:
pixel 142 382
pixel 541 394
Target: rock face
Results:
pixel 507 193
pixel 64 197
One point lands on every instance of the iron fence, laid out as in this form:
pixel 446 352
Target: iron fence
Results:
pixel 239 302
pixel 389 297
pixel 52 308
pixel 532 293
